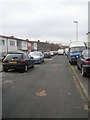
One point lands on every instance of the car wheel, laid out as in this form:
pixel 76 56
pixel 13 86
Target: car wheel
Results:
pixel 6 70
pixel 83 72
pixel 25 68
pixel 40 61
pixel 78 67
pixel 33 65
pixel 71 63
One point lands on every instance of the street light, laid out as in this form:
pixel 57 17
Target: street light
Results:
pixel 76 30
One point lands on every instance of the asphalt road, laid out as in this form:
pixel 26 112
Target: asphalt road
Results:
pixel 46 91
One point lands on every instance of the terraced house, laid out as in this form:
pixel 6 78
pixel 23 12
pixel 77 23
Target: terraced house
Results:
pixel 8 44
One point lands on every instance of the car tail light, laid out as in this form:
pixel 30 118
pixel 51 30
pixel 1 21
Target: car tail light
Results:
pixel 4 60
pixel 22 61
pixel 87 62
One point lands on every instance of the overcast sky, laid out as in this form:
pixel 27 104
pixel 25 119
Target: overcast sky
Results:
pixel 44 20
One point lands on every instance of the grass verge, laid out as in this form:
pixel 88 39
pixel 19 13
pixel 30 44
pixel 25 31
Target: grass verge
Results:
pixel 79 87
pixel 0 63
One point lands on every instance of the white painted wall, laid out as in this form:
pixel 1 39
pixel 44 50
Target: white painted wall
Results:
pixel 24 45
pixel 7 47
pixel 19 44
pixel 12 47
pixel 3 48
pixel 34 46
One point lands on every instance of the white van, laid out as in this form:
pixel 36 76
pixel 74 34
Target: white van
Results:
pixel 60 51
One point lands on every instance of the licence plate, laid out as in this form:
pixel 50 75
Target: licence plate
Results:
pixel 13 62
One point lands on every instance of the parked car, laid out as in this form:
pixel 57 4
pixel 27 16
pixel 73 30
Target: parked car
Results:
pixel 17 60
pixel 52 53
pixel 47 54
pixel 83 62
pixel 55 52
pixel 75 49
pixel 60 51
pixel 38 56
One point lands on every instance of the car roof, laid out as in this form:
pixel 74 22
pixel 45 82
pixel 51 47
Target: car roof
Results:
pixel 16 52
pixel 36 52
pixel 77 44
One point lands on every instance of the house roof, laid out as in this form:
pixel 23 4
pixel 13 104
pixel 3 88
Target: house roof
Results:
pixel 12 37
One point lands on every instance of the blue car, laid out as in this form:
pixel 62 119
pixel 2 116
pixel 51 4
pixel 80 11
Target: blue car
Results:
pixel 75 50
pixel 83 62
pixel 38 56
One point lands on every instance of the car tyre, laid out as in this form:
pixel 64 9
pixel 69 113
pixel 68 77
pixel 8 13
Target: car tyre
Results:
pixel 71 63
pixel 6 70
pixel 78 67
pixel 33 65
pixel 83 72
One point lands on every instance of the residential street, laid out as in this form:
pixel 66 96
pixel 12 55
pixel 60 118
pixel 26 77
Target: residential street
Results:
pixel 46 91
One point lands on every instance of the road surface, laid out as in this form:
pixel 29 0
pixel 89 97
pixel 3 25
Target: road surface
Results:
pixel 46 91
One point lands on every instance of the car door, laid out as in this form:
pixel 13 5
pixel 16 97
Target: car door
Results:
pixel 82 60
pixel 42 56
pixel 31 60
pixel 27 60
pixel 79 61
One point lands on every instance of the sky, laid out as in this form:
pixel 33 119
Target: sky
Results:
pixel 44 20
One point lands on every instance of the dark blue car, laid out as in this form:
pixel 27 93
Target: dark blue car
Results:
pixel 83 62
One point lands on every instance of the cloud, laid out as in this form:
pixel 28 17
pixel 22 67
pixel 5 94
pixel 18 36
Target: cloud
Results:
pixel 44 19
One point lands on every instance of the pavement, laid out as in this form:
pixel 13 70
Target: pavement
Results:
pixel 83 81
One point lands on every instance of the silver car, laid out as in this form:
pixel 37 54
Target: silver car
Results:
pixel 38 56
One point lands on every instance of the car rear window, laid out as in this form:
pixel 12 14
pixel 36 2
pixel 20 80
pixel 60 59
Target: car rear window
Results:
pixel 35 53
pixel 14 56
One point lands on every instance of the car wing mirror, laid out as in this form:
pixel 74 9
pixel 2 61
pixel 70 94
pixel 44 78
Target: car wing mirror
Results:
pixel 81 56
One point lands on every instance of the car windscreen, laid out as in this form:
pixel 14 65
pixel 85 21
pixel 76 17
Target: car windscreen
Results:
pixel 14 56
pixel 35 54
pixel 46 52
pixel 77 49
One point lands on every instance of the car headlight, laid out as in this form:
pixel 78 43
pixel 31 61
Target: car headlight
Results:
pixel 77 56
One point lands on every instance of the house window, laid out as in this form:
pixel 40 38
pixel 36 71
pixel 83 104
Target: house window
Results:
pixel 12 43
pixel 2 42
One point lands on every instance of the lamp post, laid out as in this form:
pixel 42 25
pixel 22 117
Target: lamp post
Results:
pixel 76 22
